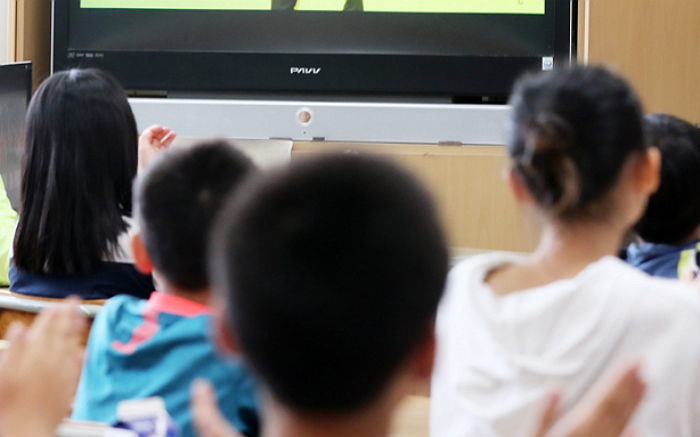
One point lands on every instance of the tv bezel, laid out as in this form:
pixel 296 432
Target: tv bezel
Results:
pixel 467 79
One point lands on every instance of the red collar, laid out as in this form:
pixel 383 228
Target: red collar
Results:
pixel 168 303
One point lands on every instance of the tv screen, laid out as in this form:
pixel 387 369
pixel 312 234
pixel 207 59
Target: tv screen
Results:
pixel 15 91
pixel 455 48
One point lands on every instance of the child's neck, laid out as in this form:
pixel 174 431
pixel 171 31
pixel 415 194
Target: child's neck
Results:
pixel 280 422
pixel 563 252
pixel 570 249
pixel 202 296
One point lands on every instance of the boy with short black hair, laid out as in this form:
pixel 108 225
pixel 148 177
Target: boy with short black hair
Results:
pixel 330 274
pixel 158 347
pixel 670 227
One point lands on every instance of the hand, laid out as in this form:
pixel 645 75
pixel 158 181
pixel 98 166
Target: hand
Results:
pixel 208 420
pixel 152 142
pixel 600 416
pixel 39 372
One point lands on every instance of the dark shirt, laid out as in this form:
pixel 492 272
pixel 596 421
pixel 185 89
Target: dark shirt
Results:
pixel 109 279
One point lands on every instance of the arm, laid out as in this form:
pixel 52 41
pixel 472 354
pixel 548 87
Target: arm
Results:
pixel 8 222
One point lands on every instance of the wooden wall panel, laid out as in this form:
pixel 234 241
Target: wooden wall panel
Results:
pixel 475 204
pixel 33 42
pixel 655 44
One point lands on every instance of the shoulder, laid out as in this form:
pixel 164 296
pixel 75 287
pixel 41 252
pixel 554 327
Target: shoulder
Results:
pixel 465 286
pixel 473 270
pixel 654 295
pixel 479 265
pixel 117 307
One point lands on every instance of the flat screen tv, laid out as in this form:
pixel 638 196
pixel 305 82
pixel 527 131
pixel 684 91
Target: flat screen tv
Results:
pixel 15 91
pixel 458 49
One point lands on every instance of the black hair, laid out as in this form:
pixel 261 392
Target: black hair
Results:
pixel 177 200
pixel 673 213
pixel 80 161
pixel 331 271
pixel 572 132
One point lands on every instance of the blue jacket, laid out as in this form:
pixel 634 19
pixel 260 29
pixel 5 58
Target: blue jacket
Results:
pixel 139 349
pixel 661 259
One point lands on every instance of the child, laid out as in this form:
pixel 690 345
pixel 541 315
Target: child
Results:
pixel 82 154
pixel 140 348
pixel 328 276
pixel 513 326
pixel 8 221
pixel 670 227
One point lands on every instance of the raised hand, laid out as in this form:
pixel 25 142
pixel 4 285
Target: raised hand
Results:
pixel 152 142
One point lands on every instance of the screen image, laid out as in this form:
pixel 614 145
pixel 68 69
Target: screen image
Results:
pixel 397 6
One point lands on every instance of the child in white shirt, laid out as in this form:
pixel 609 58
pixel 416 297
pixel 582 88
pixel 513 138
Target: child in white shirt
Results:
pixel 513 327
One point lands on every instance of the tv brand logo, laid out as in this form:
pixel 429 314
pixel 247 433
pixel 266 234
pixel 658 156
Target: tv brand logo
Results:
pixel 305 70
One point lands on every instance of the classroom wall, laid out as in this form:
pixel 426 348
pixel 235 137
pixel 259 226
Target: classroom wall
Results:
pixel 467 183
pixel 33 35
pixel 652 42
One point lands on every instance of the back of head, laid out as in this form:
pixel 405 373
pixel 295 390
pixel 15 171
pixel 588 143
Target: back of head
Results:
pixel 177 200
pixel 673 213
pixel 332 271
pixel 80 161
pixel 572 132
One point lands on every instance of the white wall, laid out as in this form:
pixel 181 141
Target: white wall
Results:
pixel 4 30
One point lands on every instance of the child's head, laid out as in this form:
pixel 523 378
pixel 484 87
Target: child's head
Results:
pixel 177 199
pixel 673 213
pixel 578 147
pixel 330 274
pixel 80 162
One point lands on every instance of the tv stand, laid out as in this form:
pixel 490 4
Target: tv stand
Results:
pixel 347 121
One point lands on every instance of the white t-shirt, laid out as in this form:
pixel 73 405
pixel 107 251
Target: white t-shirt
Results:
pixel 500 356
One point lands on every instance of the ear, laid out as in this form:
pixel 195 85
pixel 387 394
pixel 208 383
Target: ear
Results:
pixel 424 358
pixel 649 171
pixel 517 186
pixel 224 337
pixel 141 259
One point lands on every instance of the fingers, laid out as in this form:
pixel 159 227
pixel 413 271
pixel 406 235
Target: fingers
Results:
pixel 610 414
pixel 158 136
pixel 549 415
pixel 59 325
pixel 14 353
pixel 15 332
pixel 620 402
pixel 208 419
pixel 168 139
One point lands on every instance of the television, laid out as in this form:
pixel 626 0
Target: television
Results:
pixel 457 50
pixel 15 92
